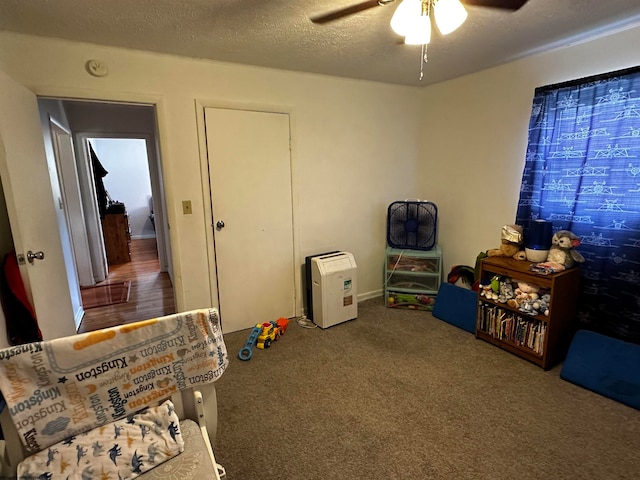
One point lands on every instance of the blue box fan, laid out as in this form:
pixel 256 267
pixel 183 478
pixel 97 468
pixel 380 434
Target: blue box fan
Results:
pixel 411 224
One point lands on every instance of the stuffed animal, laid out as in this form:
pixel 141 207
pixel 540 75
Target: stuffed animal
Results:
pixel 511 245
pixel 491 291
pixel 506 291
pixel 537 304
pixel 525 293
pixel 562 251
pixel 541 305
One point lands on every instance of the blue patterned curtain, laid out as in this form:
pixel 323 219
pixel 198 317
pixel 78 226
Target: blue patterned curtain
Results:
pixel 582 173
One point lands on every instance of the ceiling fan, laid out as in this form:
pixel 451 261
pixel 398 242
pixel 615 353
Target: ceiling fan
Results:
pixel 412 18
pixel 362 6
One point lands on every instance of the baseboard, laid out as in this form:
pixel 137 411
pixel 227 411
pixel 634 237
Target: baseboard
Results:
pixel 143 237
pixel 77 320
pixel 369 295
pixel 362 297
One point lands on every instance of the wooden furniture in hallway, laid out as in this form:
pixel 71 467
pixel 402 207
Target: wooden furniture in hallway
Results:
pixel 117 237
pixel 151 292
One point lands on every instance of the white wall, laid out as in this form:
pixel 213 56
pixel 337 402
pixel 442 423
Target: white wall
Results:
pixel 128 179
pixel 474 140
pixel 354 143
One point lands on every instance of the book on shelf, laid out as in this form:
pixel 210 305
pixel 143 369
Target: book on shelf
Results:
pixel 508 326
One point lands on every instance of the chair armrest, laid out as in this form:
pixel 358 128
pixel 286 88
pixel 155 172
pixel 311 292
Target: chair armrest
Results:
pixel 12 452
pixel 202 422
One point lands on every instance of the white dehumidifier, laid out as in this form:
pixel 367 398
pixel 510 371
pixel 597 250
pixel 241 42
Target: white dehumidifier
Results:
pixel 334 289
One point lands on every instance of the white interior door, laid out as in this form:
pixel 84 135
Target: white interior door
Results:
pixel 250 181
pixel 70 191
pixel 27 181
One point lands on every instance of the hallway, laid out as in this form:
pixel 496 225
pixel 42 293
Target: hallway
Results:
pixel 151 292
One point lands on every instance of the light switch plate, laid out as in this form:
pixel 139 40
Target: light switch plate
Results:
pixel 186 207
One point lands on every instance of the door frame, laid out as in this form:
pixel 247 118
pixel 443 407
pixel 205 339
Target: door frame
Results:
pixel 159 103
pixel 200 105
pixel 157 188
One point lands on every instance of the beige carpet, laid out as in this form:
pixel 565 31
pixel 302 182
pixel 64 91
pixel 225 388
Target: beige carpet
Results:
pixel 401 395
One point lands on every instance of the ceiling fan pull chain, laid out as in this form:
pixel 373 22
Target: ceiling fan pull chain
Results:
pixel 423 60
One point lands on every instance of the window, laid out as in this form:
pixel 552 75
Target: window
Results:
pixel 582 173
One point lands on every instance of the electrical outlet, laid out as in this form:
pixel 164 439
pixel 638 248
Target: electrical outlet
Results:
pixel 186 207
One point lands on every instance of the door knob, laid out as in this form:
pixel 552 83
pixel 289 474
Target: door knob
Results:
pixel 220 224
pixel 34 256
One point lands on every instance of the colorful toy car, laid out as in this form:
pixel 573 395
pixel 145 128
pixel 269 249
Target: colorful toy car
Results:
pixel 270 333
pixel 262 335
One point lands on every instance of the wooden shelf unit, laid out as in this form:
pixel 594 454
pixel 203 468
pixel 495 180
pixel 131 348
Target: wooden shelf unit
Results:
pixel 560 325
pixel 117 237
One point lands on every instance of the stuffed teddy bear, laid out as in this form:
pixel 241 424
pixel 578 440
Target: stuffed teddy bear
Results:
pixel 511 245
pixel 525 293
pixel 562 254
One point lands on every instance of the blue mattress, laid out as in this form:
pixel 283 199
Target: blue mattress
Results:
pixel 457 306
pixel 605 365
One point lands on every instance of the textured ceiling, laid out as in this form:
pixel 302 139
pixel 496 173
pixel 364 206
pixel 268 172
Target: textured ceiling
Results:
pixel 279 34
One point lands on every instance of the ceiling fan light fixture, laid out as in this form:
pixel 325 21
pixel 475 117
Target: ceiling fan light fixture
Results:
pixel 405 16
pixel 449 15
pixel 412 20
pixel 420 33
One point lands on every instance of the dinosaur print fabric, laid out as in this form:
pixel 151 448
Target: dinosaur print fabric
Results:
pixel 118 450
pixel 67 386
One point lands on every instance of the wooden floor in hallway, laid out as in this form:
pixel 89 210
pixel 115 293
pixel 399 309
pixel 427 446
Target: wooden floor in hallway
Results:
pixel 151 293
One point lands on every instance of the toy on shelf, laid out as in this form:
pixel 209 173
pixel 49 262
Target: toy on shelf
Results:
pixel 511 243
pixel 562 254
pixel 524 296
pixel 492 290
pixel 262 335
pixel 415 301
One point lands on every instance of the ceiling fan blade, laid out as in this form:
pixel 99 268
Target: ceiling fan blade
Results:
pixel 366 5
pixel 344 12
pixel 505 4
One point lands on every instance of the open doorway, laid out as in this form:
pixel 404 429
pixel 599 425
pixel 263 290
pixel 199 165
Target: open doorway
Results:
pixel 122 140
pixel 136 285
